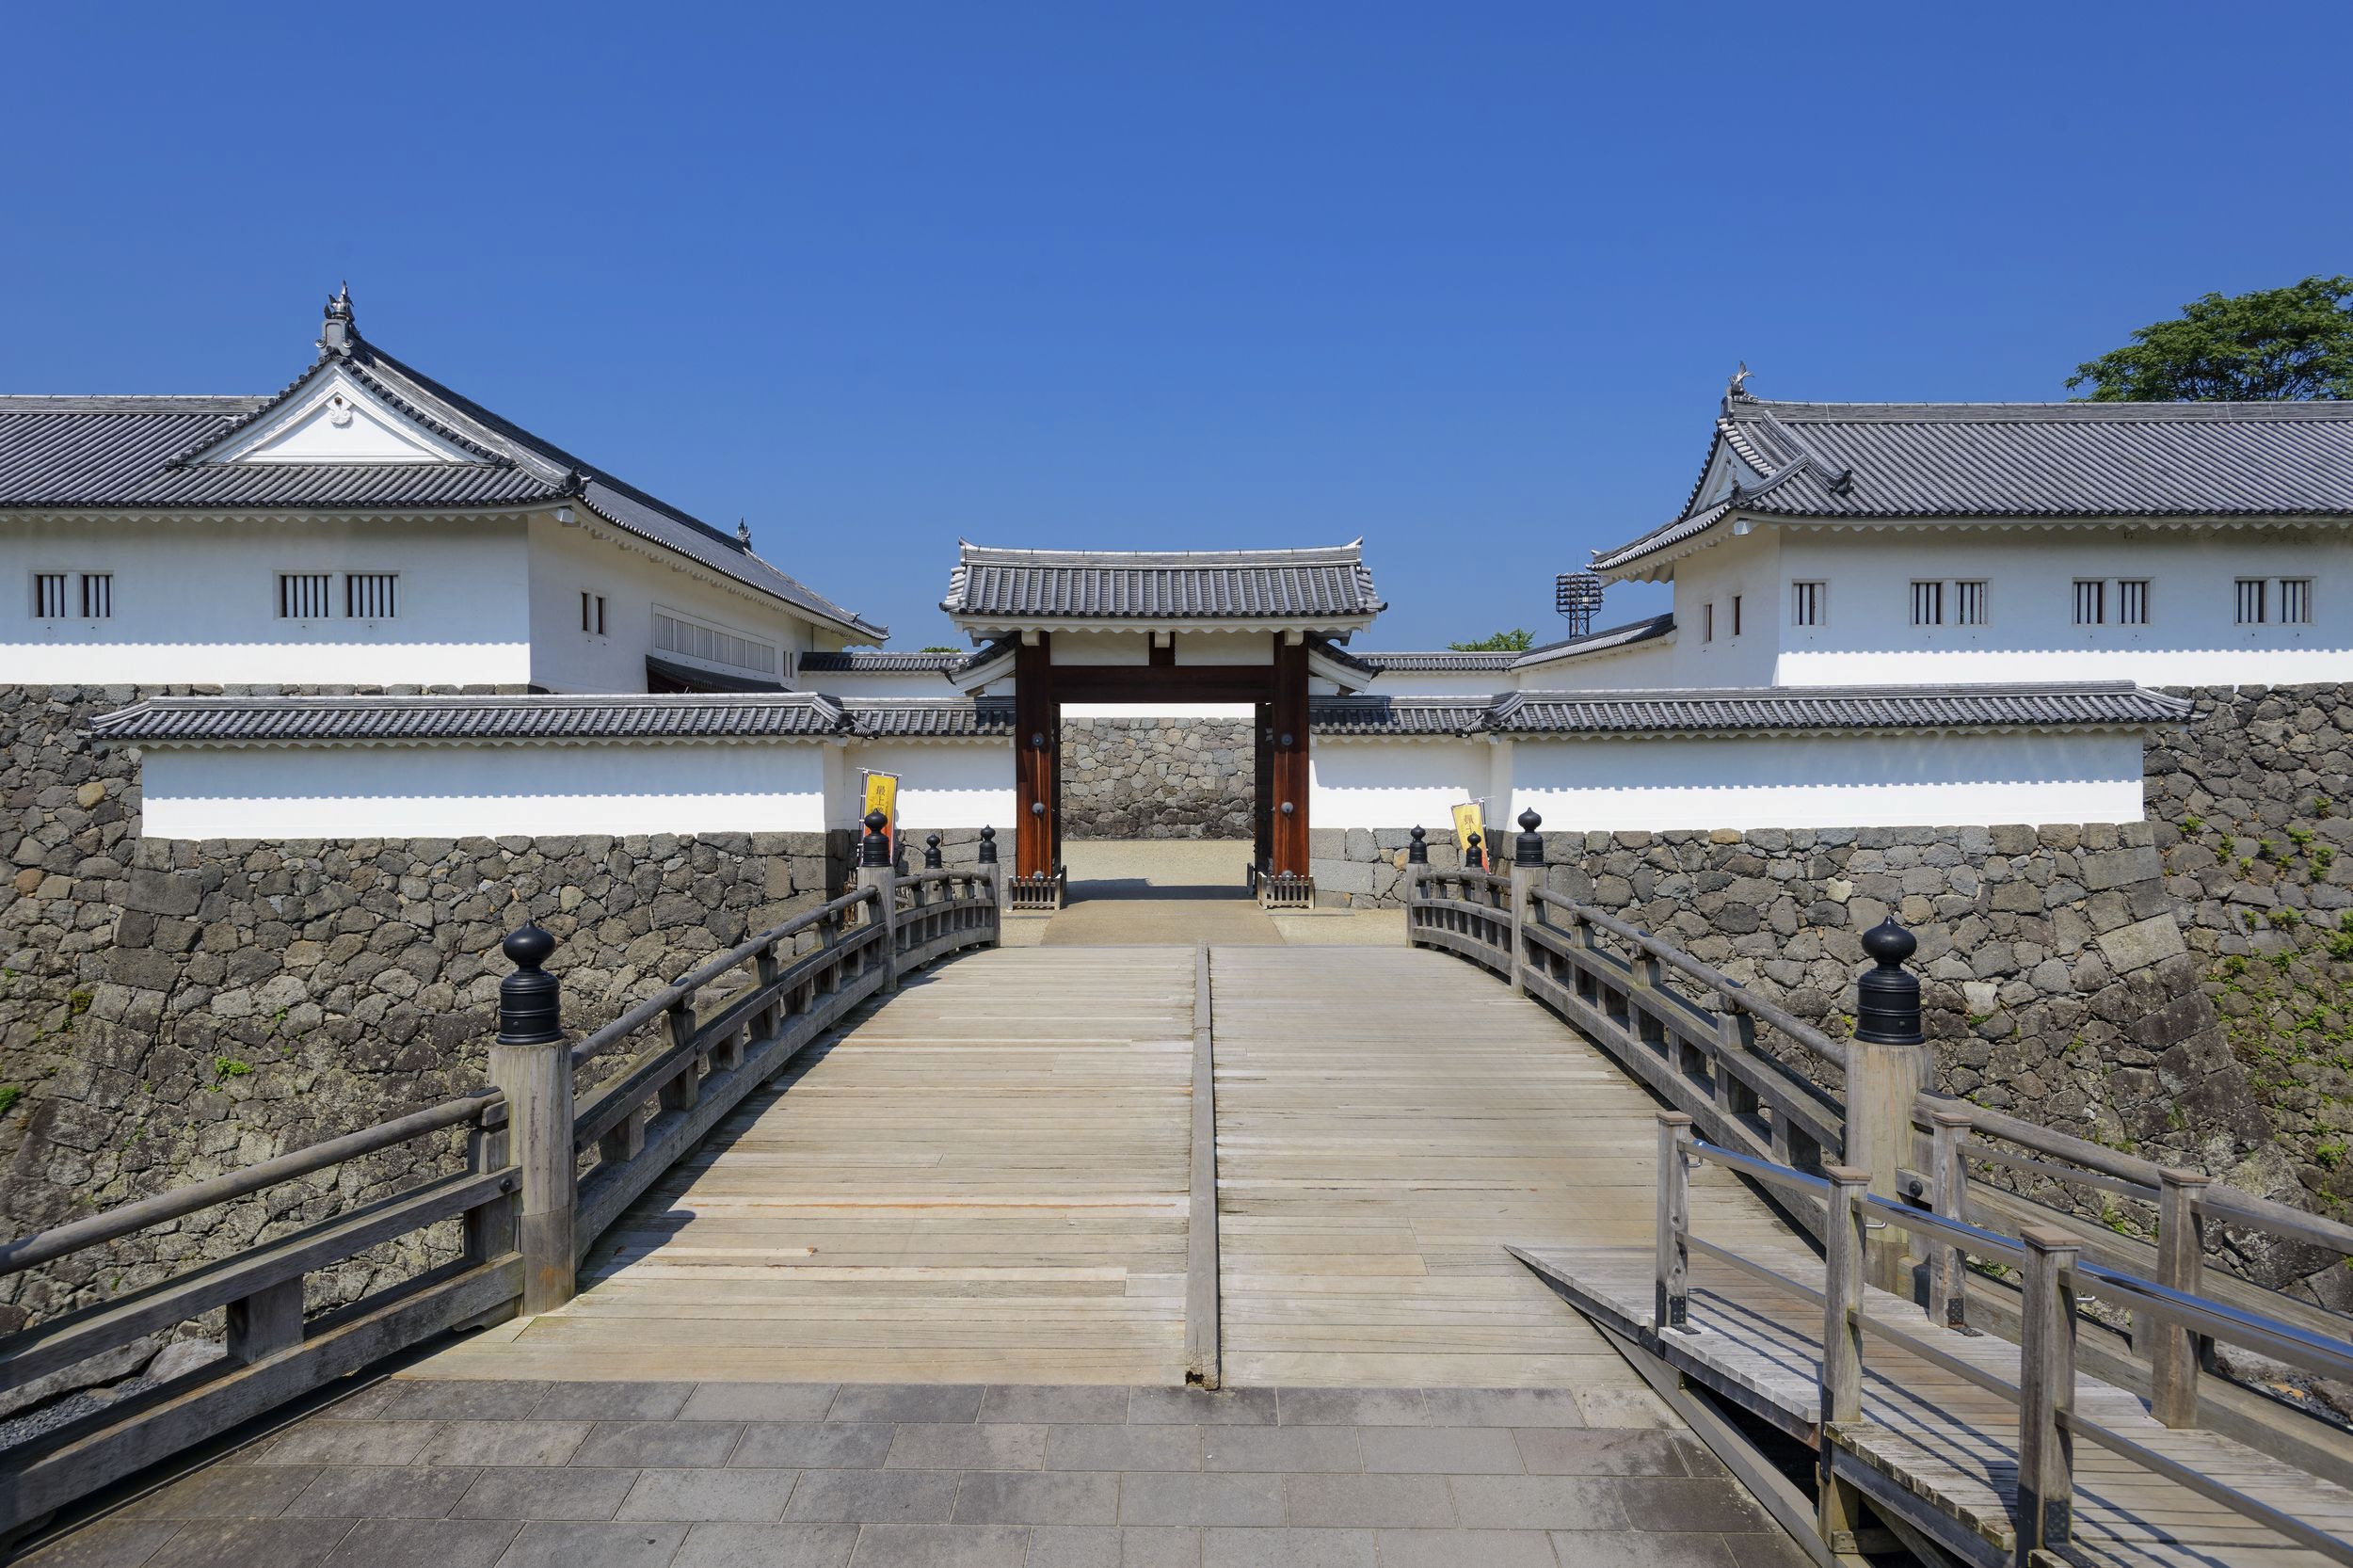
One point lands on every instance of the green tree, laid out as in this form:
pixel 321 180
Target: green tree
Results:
pixel 2272 343
pixel 1517 640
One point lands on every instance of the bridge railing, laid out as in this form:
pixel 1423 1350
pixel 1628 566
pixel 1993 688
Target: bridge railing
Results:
pixel 545 1174
pixel 273 1351
pixel 2052 1276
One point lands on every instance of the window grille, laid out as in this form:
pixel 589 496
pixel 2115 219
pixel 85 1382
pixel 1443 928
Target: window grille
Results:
pixel 2252 602
pixel 1735 614
pixel 1806 603
pixel 371 595
pixel 1707 622
pixel 1928 604
pixel 592 612
pixel 2295 601
pixel 2132 601
pixel 98 595
pixel 1969 603
pixel 601 615
pixel 2091 601
pixel 303 595
pixel 49 596
pixel 710 644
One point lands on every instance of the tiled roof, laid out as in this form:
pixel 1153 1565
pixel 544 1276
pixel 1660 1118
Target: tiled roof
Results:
pixel 1327 586
pixel 1439 659
pixel 933 718
pixel 426 720
pixel 1395 715
pixel 881 661
pixel 1798 708
pixel 1444 660
pixel 1915 461
pixel 132 454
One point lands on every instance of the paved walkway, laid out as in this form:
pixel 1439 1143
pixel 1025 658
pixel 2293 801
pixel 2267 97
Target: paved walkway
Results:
pixel 766 1475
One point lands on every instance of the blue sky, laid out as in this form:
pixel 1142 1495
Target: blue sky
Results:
pixel 1466 281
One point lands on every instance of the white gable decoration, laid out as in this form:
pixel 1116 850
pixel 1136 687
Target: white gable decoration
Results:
pixel 338 420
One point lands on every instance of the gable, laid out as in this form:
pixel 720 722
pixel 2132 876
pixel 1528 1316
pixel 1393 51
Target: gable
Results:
pixel 338 419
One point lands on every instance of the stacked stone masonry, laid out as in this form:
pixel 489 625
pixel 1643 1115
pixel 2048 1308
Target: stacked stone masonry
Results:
pixel 1155 778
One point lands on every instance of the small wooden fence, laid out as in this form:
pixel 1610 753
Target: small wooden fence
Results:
pixel 543 1176
pixel 1692 1033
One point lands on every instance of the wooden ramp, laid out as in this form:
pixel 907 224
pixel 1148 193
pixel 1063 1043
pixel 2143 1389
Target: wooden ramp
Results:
pixel 1932 1444
pixel 1387 1119
pixel 983 1180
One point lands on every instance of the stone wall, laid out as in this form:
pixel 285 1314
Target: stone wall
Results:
pixel 1156 779
pixel 170 1010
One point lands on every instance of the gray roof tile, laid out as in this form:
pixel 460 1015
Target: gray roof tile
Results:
pixel 425 720
pixel 934 718
pixel 1330 586
pixel 1916 460
pixel 1799 708
pixel 865 660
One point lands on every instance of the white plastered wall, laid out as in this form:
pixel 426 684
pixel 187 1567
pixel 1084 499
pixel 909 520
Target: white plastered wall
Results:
pixel 1393 783
pixel 481 791
pixel 196 601
pixel 941 783
pixel 2192 637
pixel 1661 784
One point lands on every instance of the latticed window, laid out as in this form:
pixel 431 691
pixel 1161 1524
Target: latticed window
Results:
pixel 2132 601
pixel 49 596
pixel 1808 603
pixel 2295 601
pixel 2253 600
pixel 1969 603
pixel 1928 604
pixel 371 595
pixel 673 635
pixel 98 595
pixel 305 594
pixel 1735 614
pixel 1707 622
pixel 2091 601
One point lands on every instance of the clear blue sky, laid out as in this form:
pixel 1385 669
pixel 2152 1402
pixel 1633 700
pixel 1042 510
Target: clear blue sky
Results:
pixel 1466 281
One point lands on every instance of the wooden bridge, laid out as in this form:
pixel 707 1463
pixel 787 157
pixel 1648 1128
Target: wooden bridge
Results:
pixel 1500 1253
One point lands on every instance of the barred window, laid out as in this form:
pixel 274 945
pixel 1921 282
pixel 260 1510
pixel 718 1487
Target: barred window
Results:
pixel 371 595
pixel 1928 604
pixel 673 635
pixel 303 595
pixel 2295 601
pixel 1969 603
pixel 49 596
pixel 1735 614
pixel 98 595
pixel 2132 601
pixel 592 612
pixel 1707 622
pixel 1808 603
pixel 2254 599
pixel 2091 601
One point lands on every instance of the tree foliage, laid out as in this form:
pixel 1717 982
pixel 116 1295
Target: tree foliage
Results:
pixel 1518 640
pixel 2291 343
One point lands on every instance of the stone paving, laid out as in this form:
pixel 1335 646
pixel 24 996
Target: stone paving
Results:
pixel 749 1474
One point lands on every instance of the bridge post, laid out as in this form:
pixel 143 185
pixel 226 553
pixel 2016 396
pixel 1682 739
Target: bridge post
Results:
pixel 1527 874
pixel 2172 1350
pixel 1670 1303
pixel 1888 1068
pixel 1838 1504
pixel 2046 1392
pixel 531 1064
pixel 995 873
pixel 875 870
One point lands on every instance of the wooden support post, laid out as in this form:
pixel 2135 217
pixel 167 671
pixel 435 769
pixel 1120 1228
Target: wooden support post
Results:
pixel 875 871
pixel 625 1139
pixel 765 967
pixel 1838 1504
pixel 2046 1392
pixel 1948 1197
pixel 1670 1305
pixel 1262 786
pixel 265 1322
pixel 1036 785
pixel 686 1087
pixel 1527 874
pixel 2172 1350
pixel 1735 1041
pixel 531 1064
pixel 1290 782
pixel 1888 1068
pixel 489 1228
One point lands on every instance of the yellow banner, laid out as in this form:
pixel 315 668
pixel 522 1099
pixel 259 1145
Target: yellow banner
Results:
pixel 882 794
pixel 1467 822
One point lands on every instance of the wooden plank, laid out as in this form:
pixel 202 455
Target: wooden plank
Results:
pixel 1201 1249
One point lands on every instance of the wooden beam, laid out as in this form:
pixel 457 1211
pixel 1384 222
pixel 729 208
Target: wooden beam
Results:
pixel 1161 684
pixel 1289 716
pixel 1263 785
pixel 1037 727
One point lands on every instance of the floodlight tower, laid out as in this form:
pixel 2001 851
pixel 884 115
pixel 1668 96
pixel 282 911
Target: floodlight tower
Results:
pixel 1577 595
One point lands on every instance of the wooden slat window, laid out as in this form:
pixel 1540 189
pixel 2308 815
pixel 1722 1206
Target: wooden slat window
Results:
pixel 1707 622
pixel 371 595
pixel 49 596
pixel 2132 601
pixel 1809 602
pixel 2254 600
pixel 2295 601
pixel 1928 604
pixel 2091 601
pixel 673 635
pixel 1735 614
pixel 98 595
pixel 305 594
pixel 1969 603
